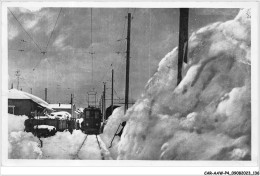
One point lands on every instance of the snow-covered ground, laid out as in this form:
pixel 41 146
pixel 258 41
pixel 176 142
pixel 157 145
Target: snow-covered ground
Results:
pixel 63 145
pixel 208 115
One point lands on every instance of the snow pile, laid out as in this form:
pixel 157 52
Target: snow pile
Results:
pixel 208 115
pixel 16 123
pixel 21 145
pixel 110 129
pixel 63 145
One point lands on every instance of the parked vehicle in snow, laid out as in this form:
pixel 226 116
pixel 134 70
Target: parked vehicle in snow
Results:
pixel 59 120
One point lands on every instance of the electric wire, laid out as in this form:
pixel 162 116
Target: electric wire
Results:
pixel 25 30
pixel 52 30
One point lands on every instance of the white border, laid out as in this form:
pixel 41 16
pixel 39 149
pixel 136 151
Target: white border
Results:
pixel 180 166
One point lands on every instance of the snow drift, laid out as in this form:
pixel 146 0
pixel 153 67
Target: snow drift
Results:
pixel 21 145
pixel 110 129
pixel 63 145
pixel 208 115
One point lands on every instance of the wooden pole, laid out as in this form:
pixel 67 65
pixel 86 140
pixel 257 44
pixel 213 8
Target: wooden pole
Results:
pixel 127 61
pixel 104 104
pixel 46 94
pixel 71 101
pixel 112 92
pixel 183 41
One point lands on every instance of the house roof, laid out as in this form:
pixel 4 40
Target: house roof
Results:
pixel 60 106
pixel 18 94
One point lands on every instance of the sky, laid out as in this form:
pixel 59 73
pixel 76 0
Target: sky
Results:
pixel 65 35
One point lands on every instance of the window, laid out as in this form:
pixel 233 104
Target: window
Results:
pixel 11 109
pixel 96 114
pixel 87 114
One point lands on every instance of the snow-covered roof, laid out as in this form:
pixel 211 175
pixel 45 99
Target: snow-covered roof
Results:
pixel 18 94
pixel 60 106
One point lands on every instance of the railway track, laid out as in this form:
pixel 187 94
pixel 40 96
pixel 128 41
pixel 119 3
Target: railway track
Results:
pixel 76 156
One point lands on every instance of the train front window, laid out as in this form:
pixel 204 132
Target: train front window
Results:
pixel 96 115
pixel 87 114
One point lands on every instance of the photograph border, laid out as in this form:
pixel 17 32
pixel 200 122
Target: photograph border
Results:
pixel 7 164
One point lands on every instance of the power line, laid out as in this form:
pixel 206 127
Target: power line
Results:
pixel 120 47
pixel 53 30
pixel 25 30
pixel 44 52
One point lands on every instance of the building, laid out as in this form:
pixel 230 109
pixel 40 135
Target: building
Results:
pixel 61 107
pixel 23 103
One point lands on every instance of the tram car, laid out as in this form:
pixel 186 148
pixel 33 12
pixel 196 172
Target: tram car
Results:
pixel 92 119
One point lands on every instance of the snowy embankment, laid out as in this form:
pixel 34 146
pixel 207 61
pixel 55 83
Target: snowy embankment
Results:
pixel 21 145
pixel 110 129
pixel 208 115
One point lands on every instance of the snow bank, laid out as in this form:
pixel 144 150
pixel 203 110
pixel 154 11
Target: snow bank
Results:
pixel 16 123
pixel 208 115
pixel 63 145
pixel 110 129
pixel 21 145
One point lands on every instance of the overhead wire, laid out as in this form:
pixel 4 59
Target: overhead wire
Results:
pixel 112 64
pixel 45 52
pixel 53 30
pixel 25 30
pixel 134 13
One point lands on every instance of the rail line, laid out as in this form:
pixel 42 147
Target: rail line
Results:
pixel 76 156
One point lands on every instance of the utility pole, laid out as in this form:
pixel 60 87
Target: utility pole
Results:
pixel 31 90
pixel 127 61
pixel 112 92
pixel 46 94
pixel 18 74
pixel 104 100
pixel 12 85
pixel 102 104
pixel 71 101
pixel 183 41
